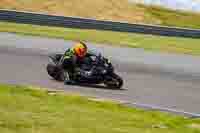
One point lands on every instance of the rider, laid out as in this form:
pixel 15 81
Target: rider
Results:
pixel 72 60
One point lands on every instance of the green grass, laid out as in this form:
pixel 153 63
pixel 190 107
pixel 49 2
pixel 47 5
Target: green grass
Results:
pixel 147 42
pixel 25 110
pixel 120 10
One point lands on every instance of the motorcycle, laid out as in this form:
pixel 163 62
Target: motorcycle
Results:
pixel 102 68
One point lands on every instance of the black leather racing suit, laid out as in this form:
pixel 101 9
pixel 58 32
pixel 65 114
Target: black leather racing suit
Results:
pixel 72 64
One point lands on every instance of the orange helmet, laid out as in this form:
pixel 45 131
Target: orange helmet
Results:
pixel 80 49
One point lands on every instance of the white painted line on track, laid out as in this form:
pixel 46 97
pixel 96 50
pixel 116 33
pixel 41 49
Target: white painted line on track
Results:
pixel 153 107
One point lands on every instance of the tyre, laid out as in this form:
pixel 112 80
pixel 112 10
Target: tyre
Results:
pixel 114 81
pixel 55 72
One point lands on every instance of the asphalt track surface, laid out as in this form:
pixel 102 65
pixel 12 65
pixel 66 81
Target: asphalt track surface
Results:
pixel 160 80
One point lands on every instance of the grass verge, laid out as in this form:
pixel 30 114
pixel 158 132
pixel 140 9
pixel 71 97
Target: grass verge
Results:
pixel 36 111
pixel 147 42
pixel 173 18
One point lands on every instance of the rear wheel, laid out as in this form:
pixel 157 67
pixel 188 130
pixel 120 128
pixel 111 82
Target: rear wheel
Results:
pixel 55 72
pixel 114 81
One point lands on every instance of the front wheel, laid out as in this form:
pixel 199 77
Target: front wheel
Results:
pixel 114 81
